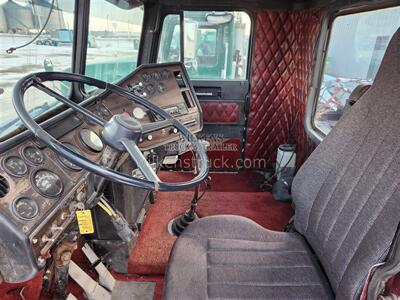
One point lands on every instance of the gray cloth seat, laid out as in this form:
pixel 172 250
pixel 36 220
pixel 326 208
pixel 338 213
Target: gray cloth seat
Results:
pixel 233 257
pixel 347 198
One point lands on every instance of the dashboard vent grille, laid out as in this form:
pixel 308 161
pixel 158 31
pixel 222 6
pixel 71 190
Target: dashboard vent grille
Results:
pixel 4 187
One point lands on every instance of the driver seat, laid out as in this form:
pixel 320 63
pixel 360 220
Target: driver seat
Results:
pixel 347 209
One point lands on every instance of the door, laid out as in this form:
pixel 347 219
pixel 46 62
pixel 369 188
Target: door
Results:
pixel 214 46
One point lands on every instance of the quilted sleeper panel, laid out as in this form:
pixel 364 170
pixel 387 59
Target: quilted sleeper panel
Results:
pixel 283 60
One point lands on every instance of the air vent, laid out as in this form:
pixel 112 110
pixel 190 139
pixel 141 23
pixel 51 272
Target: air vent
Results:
pixel 4 187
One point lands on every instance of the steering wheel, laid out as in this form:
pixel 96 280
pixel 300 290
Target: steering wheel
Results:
pixel 122 132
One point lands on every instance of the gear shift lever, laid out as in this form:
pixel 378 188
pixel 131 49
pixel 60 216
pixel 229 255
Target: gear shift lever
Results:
pixel 180 223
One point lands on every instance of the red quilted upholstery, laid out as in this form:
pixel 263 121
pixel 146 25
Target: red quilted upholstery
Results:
pixel 283 56
pixel 220 112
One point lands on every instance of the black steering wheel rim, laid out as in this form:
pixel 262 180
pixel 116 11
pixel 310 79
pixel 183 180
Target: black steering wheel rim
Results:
pixel 36 79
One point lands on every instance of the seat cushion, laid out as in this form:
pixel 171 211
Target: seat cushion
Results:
pixel 228 257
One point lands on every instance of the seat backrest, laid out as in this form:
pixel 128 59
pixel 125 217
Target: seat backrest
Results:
pixel 347 193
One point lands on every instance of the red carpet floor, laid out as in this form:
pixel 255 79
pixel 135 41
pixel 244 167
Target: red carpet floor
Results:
pixel 245 181
pixel 230 193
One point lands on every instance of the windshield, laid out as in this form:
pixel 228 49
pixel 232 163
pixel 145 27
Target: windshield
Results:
pixel 20 21
pixel 114 41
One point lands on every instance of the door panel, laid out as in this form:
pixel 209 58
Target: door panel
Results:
pixel 224 115
pixel 220 112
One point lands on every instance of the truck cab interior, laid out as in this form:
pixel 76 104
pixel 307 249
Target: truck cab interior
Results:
pixel 199 150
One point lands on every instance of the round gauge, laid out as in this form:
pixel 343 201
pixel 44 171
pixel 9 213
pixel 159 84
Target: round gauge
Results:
pixel 138 113
pixel 33 155
pixel 165 74
pixel 47 183
pixel 66 162
pixel 15 166
pixel 25 208
pixel 161 87
pixel 150 89
pixel 156 76
pixel 91 140
pixel 146 76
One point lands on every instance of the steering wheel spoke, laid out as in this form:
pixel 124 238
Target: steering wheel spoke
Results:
pixel 93 117
pixel 140 160
pixel 150 127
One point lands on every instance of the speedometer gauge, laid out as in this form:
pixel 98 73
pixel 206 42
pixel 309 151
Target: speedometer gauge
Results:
pixel 25 208
pixel 15 166
pixel 91 140
pixel 33 155
pixel 66 162
pixel 47 183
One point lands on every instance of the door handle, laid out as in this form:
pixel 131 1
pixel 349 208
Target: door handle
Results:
pixel 204 94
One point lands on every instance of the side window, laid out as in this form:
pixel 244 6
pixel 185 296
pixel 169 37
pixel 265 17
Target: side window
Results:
pixel 113 41
pixel 356 48
pixel 216 44
pixel 170 44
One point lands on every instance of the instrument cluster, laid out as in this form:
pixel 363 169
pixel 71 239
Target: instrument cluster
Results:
pixel 40 189
pixel 153 82
pixel 39 178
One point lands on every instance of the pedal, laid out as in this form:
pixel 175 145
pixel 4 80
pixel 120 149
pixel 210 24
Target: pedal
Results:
pixel 71 297
pixel 108 288
pixel 105 277
pixel 92 289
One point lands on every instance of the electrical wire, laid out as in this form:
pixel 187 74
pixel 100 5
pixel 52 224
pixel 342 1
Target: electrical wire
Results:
pixel 12 49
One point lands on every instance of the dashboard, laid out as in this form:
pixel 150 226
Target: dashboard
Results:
pixel 41 191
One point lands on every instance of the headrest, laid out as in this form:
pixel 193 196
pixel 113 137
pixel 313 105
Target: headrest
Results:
pixel 389 71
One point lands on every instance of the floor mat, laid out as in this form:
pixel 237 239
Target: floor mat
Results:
pixel 151 252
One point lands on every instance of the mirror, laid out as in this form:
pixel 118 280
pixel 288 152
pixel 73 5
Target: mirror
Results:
pixel 219 18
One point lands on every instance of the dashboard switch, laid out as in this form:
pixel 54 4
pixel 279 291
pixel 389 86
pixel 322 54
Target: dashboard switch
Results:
pixel 46 239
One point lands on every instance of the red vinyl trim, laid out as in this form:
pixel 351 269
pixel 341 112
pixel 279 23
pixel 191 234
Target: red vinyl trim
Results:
pixel 220 112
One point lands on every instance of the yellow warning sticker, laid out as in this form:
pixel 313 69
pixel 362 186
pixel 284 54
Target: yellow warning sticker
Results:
pixel 85 221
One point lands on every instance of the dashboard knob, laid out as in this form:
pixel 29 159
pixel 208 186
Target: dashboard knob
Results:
pixel 46 239
pixel 138 113
pixel 174 130
pixel 149 137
